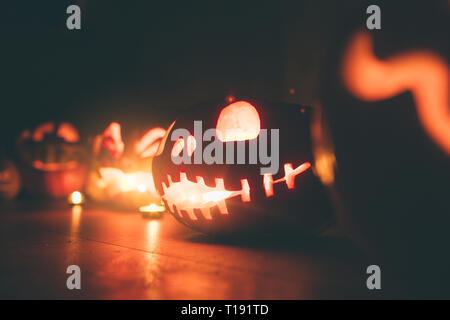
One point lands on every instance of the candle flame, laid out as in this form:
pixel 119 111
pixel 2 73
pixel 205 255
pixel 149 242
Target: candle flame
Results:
pixel 152 208
pixel 76 197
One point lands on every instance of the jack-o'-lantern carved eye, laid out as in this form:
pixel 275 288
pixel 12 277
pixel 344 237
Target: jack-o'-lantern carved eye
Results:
pixel 65 131
pixel 178 146
pixel 148 145
pixel 68 132
pixel 42 130
pixel 112 140
pixel 238 121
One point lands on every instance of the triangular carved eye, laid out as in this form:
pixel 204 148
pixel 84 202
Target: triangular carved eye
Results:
pixel 65 131
pixel 42 130
pixel 179 145
pixel 238 121
pixel 68 132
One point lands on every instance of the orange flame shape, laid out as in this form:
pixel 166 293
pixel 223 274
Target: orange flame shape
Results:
pixel 423 73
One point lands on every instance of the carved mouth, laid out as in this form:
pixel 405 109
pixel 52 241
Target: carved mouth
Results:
pixel 186 195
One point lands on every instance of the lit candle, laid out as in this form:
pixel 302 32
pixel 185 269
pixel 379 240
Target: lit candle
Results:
pixel 76 198
pixel 152 211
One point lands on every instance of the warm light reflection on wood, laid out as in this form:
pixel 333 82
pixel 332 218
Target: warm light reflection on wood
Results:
pixel 152 235
pixel 75 221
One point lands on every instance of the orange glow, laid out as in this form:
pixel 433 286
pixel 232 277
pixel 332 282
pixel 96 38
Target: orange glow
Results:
pixel 128 183
pixel 115 181
pixel 149 143
pixel 186 196
pixel 113 140
pixel 216 195
pixel 324 155
pixel 26 134
pixel 423 73
pixel 163 140
pixel 191 145
pixel 54 166
pixel 325 164
pixel 142 188
pixel 76 197
pixel 289 177
pixel 230 98
pixel 268 184
pixel 152 208
pixel 179 145
pixel 42 130
pixel 238 121
pixel 152 235
pixel 68 132
pixel 245 195
pixel 77 210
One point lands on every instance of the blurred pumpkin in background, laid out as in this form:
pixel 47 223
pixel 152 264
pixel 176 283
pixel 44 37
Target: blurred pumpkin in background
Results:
pixel 385 145
pixel 10 180
pixel 120 173
pixel 53 160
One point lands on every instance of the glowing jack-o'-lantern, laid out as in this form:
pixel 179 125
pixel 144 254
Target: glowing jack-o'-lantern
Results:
pixel 52 160
pixel 385 95
pixel 122 177
pixel 232 193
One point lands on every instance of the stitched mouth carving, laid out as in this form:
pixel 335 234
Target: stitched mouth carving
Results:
pixel 186 195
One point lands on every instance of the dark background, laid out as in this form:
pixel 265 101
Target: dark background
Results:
pixel 138 62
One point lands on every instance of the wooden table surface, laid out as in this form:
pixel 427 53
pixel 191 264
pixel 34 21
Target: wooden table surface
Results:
pixel 124 256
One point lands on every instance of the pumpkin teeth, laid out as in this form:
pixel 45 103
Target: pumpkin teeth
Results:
pixel 191 214
pixel 206 212
pixel 220 184
pixel 289 176
pixel 245 195
pixel 178 211
pixel 268 184
pixel 174 209
pixel 197 195
pixel 222 207
pixel 200 180
pixel 191 195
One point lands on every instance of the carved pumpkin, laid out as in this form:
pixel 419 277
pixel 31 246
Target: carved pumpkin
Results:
pixel 52 160
pixel 10 181
pixel 232 195
pixel 386 97
pixel 122 176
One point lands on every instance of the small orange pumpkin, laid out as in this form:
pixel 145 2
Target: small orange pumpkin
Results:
pixel 52 160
